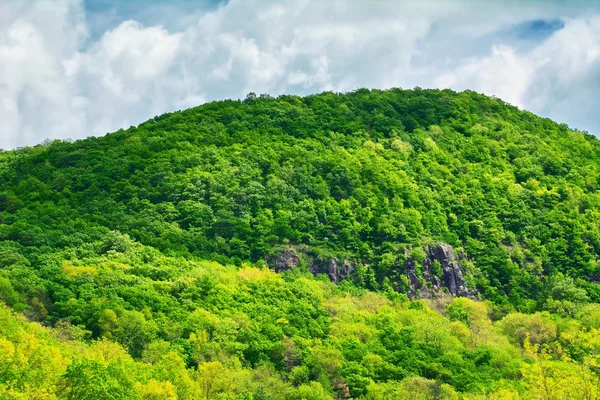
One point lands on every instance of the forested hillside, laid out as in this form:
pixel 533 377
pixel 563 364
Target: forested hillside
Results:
pixel 140 264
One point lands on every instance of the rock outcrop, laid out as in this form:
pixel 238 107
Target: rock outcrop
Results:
pixel 335 269
pixel 441 271
pixel 292 257
pixel 449 279
pixel 285 259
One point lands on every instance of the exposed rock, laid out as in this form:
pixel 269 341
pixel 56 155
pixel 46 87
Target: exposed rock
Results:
pixel 453 272
pixel 423 280
pixel 335 270
pixel 411 272
pixel 430 285
pixel 290 257
pixel 286 259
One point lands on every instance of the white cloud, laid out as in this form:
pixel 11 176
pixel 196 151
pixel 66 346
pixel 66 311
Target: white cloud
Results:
pixel 125 74
pixel 503 74
pixel 56 83
pixel 35 100
pixel 560 78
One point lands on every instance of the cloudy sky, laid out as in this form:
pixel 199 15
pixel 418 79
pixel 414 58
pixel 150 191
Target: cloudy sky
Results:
pixel 75 68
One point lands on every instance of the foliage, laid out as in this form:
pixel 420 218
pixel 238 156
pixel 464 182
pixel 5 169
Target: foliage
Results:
pixel 211 331
pixel 364 176
pixel 135 265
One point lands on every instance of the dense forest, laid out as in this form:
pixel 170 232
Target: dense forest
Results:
pixel 289 248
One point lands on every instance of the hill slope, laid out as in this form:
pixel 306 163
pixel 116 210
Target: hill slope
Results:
pixel 366 176
pixel 107 238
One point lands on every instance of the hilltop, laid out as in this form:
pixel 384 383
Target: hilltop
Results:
pixel 368 176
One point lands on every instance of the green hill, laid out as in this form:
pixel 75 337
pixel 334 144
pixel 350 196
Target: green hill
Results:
pixel 126 237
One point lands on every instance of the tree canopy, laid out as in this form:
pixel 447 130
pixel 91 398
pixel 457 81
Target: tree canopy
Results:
pixel 136 265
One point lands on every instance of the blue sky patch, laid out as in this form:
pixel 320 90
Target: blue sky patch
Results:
pixel 538 29
pixel 103 15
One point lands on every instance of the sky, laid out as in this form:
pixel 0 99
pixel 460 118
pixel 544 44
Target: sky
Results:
pixel 70 69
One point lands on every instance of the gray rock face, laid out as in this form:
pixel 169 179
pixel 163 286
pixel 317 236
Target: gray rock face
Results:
pixel 440 272
pixel 285 260
pixel 335 269
pixel 289 258
pixel 430 285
